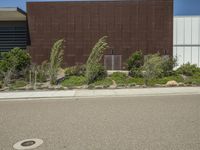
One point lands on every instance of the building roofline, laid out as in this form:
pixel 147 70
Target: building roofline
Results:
pixel 12 14
pixel 77 1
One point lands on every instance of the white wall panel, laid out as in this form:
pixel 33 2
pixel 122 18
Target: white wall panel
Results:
pixel 195 30
pixel 180 31
pixel 195 54
pixel 175 51
pixel 180 55
pixel 188 55
pixel 188 31
pixel 174 31
pixel 199 57
pixel 187 39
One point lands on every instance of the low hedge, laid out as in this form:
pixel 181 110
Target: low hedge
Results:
pixel 74 81
pixel 106 82
pixel 18 84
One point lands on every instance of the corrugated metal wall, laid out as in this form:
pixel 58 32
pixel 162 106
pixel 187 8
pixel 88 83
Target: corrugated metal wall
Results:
pixel 130 25
pixel 187 39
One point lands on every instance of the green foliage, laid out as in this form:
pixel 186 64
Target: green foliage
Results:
pixel 164 80
pixel 188 69
pixel 136 72
pixel 152 67
pixel 18 84
pixel 135 60
pixel 137 81
pixel 195 79
pixel 119 77
pixel 74 81
pixel 17 59
pixel 122 79
pixel 94 70
pixel 56 59
pixel 106 82
pixel 7 76
pixel 1 84
pixel 42 71
pixel 78 70
pixel 168 64
pixel 134 64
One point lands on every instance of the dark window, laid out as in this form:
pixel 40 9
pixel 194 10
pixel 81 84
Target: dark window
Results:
pixel 11 37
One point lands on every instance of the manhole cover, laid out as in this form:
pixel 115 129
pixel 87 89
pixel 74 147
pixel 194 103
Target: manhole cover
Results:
pixel 28 144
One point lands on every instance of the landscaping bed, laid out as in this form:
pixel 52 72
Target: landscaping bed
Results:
pixel 17 72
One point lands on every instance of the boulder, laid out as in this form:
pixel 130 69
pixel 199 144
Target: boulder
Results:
pixel 172 83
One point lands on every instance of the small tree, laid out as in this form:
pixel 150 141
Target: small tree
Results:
pixel 168 64
pixel 17 58
pixel 93 67
pixel 135 60
pixel 152 67
pixel 56 59
pixel 134 64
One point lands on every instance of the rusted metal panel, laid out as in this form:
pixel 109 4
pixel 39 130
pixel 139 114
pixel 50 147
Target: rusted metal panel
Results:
pixel 145 25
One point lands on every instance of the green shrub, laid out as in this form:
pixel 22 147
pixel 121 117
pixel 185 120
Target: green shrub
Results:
pixel 78 70
pixel 106 82
pixel 1 84
pixel 17 59
pixel 164 80
pixel 74 81
pixel 137 81
pixel 119 77
pixel 122 79
pixel 135 60
pixel 136 72
pixel 19 83
pixel 168 64
pixel 42 71
pixel 188 69
pixel 94 70
pixel 152 67
pixel 195 78
pixel 56 59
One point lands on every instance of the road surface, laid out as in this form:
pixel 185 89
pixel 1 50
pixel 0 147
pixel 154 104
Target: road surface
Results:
pixel 137 123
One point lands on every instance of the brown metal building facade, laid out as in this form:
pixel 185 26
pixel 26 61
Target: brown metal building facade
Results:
pixel 131 25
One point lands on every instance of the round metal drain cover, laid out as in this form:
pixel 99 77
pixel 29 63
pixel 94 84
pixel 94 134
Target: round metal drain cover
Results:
pixel 28 144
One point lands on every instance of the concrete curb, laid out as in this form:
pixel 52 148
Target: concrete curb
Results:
pixel 100 93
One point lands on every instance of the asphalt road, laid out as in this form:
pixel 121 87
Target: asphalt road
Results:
pixel 138 123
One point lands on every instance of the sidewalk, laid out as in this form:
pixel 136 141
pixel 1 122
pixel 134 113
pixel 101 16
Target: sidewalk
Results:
pixel 100 93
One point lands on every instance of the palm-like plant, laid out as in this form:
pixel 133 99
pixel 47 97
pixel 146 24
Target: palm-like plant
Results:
pixel 93 66
pixel 56 59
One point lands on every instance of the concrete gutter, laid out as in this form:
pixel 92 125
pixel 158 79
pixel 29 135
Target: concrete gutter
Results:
pixel 100 93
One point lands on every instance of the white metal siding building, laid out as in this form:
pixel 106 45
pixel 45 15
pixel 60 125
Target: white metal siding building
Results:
pixel 187 39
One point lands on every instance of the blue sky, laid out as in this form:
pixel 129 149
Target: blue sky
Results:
pixel 181 7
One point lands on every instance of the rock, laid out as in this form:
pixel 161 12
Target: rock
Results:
pixel 181 84
pixel 113 87
pixel 132 85
pixel 158 85
pixel 172 83
pixel 137 86
pixel 99 87
pixel 84 86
